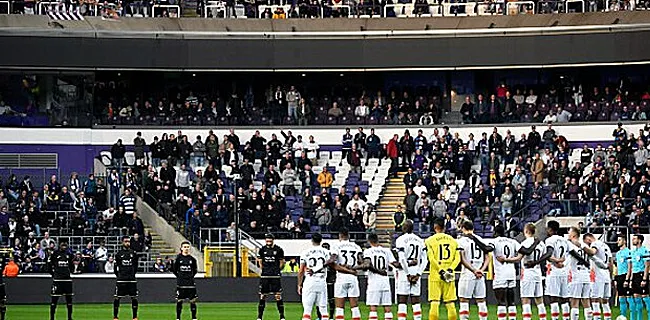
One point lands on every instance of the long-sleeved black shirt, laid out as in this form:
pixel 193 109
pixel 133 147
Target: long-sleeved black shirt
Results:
pixel 185 268
pixel 126 265
pixel 60 265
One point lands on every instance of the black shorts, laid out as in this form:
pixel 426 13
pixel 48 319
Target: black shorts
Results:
pixel 636 284
pixel 126 289
pixel 188 293
pixel 61 288
pixel 620 288
pixel 270 285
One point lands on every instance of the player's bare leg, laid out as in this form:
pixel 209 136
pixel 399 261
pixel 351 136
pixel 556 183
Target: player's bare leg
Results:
pixel 402 307
pixel 565 312
pixel 388 313
pixel 373 313
pixel 606 309
pixel 354 308
pixel 502 304
pixel 417 308
pixel 512 307
pixel 482 309
pixel 526 310
pixel 595 308
pixel 463 310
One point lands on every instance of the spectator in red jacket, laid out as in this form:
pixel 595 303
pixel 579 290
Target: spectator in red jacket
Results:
pixel 392 152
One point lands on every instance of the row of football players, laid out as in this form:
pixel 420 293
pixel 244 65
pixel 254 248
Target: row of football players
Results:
pixel 578 272
pixel 60 266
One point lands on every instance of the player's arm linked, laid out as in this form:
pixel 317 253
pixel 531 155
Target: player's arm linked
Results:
pixel 542 258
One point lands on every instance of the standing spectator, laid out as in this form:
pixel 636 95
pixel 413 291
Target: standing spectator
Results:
pixel 466 111
pixel 392 152
pixel 410 179
pixel 538 169
pixel 370 219
pixel 139 143
pixel 198 153
pixel 90 186
pixel 323 217
pixel 406 146
pixel 289 178
pixel 507 200
pixel 303 112
pixel 346 143
pixel 325 178
pixel 373 145
pixel 117 154
pixel 398 218
pixel 183 181
pixel 439 207
pixel 354 160
pixel 115 185
pixel 101 257
pixel 135 224
pixel 293 97
pixel 127 201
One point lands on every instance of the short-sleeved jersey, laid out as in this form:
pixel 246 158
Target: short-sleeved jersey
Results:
pixel 623 257
pixel 534 273
pixel 380 258
pixel 507 248
pixel 639 257
pixel 560 247
pixel 412 248
pixel 271 259
pixel 604 254
pixel 60 265
pixel 347 254
pixel 579 273
pixel 471 252
pixel 126 265
pixel 315 258
pixel 443 254
pixel 185 268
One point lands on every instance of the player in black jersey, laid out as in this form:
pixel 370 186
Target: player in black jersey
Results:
pixel 331 279
pixel 185 268
pixel 126 266
pixel 59 265
pixel 271 260
pixel 3 292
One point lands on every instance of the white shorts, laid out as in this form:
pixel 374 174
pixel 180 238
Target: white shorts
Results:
pixel 601 290
pixel 346 289
pixel 503 284
pixel 471 288
pixel 314 295
pixel 531 289
pixel 580 290
pixel 379 298
pixel 404 288
pixel 557 287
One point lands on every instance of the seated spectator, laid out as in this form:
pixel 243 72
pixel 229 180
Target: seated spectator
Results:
pixel 335 111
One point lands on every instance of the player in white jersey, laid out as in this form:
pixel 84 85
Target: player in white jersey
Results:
pixel 557 277
pixel 475 261
pixel 347 256
pixel 579 276
pixel 412 257
pixel 378 260
pixel 602 266
pixel 312 285
pixel 505 275
pixel 531 255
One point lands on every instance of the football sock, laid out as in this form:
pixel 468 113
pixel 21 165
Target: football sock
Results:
pixel 134 307
pixel 526 312
pixel 388 316
pixel 607 312
pixel 324 315
pixel 566 311
pixel 434 310
pixel 632 303
pixel 502 313
pixel 417 311
pixel 463 311
pixel 260 308
pixel 482 311
pixel 356 313
pixel 638 303
pixel 193 310
pixel 541 311
pixel 179 309
pixel 622 303
pixel 55 301
pixel 339 314
pixel 3 311
pixel 646 301
pixel 116 308
pixel 555 311
pixel 512 313
pixel 589 315
pixel 401 311
pixel 595 307
pixel 575 313
pixel 451 311
pixel 68 304
pixel 280 304
pixel 372 315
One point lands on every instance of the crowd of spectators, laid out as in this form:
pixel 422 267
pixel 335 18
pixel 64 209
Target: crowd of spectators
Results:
pixel 406 106
pixel 34 218
pixel 608 184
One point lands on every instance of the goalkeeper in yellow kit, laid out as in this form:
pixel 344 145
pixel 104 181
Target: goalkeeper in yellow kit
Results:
pixel 444 257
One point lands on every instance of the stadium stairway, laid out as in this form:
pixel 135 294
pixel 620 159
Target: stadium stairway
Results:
pixel 160 248
pixel 393 195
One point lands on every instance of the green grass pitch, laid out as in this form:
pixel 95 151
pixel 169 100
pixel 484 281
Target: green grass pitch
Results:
pixel 207 311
